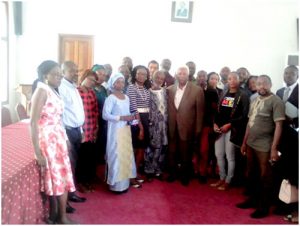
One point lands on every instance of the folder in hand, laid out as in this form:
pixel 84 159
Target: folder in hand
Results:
pixel 291 110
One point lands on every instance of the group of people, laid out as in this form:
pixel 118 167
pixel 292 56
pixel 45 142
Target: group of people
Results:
pixel 144 124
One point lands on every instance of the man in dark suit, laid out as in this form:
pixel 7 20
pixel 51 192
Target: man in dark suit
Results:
pixel 288 165
pixel 185 112
pixel 290 93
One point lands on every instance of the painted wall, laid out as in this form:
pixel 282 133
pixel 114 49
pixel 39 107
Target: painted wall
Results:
pixel 256 34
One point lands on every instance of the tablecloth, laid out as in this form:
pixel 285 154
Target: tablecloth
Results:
pixel 21 198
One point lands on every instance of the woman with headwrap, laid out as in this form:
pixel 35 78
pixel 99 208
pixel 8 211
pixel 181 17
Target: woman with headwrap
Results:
pixel 101 94
pixel 119 152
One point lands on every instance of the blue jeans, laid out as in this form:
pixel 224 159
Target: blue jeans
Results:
pixel 224 148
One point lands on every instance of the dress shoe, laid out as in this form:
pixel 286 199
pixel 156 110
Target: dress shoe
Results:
pixel 202 179
pixel 149 177
pixel 70 209
pixel 171 178
pixel 246 204
pixel 159 176
pixel 76 198
pixel 185 181
pixel 281 210
pixel 259 214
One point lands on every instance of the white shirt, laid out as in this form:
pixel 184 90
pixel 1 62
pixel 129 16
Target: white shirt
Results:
pixel 73 114
pixel 292 87
pixel 105 85
pixel 178 95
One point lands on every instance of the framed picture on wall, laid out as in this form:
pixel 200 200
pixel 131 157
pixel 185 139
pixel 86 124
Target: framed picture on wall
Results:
pixel 182 11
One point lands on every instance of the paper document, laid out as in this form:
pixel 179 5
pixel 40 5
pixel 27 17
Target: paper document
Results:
pixel 291 110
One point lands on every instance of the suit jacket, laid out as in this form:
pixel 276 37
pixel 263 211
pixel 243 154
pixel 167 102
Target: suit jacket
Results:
pixel 293 99
pixel 189 115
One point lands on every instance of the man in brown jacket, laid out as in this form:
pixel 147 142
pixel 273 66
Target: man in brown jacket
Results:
pixel 185 112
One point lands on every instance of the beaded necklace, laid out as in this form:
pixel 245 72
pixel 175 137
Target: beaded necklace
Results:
pixel 142 94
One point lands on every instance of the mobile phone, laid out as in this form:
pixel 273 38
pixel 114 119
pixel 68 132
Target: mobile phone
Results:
pixel 272 162
pixel 134 122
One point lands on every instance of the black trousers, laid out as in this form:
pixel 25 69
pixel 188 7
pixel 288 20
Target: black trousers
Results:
pixel 259 178
pixel 180 153
pixel 101 142
pixel 86 164
pixel 74 136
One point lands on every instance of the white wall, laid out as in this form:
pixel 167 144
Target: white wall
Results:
pixel 256 34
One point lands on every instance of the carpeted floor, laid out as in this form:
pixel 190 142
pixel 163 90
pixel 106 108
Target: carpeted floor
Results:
pixel 166 203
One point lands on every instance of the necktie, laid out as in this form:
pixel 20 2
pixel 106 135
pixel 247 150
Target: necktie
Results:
pixel 286 94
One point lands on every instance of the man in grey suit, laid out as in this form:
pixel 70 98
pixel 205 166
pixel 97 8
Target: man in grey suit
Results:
pixel 185 112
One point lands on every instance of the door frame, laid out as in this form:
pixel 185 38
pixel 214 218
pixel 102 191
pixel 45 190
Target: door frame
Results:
pixel 74 36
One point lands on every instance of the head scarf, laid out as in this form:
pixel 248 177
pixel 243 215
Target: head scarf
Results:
pixel 97 67
pixel 113 79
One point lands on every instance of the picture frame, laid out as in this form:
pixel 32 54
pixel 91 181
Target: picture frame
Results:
pixel 182 11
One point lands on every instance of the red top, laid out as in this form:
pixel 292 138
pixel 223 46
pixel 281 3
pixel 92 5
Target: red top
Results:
pixel 90 106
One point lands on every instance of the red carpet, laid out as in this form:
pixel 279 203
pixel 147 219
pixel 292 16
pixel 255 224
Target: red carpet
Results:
pixel 166 203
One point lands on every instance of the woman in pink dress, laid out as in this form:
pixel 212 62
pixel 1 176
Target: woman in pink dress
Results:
pixel 50 141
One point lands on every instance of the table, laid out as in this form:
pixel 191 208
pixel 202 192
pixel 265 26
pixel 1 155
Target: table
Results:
pixel 21 198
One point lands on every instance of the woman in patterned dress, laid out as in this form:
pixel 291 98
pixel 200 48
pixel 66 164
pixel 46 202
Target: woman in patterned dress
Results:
pixel 155 154
pixel 50 141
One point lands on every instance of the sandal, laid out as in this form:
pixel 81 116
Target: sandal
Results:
pixel 224 187
pixel 135 184
pixel 291 218
pixel 139 180
pixel 218 183
pixel 91 188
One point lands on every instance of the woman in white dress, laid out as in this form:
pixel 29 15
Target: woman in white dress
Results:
pixel 119 152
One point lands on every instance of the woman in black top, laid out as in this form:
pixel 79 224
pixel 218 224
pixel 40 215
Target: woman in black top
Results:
pixel 211 106
pixel 230 122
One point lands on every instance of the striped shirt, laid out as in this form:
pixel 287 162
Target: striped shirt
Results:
pixel 138 97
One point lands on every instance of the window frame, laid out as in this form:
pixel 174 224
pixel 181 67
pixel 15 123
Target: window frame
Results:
pixel 6 39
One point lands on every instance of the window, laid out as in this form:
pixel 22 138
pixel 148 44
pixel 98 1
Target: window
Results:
pixel 4 51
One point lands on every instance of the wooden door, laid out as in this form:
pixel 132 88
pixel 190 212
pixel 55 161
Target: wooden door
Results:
pixel 77 48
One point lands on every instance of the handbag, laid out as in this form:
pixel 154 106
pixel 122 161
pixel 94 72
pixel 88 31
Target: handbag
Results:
pixel 288 193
